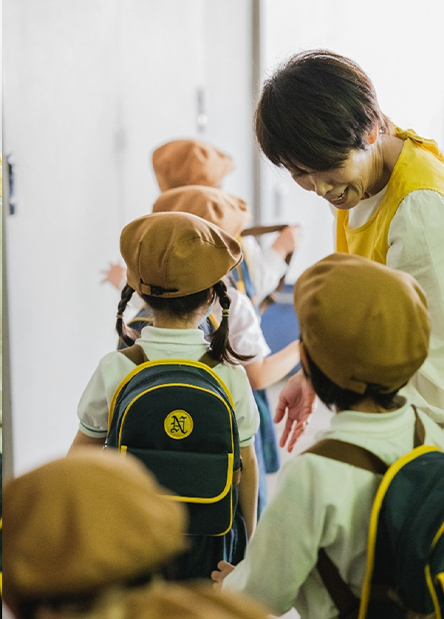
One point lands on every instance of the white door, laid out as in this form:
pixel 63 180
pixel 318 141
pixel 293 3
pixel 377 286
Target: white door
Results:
pixel 90 89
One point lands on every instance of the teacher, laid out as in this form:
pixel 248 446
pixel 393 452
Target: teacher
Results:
pixel 318 117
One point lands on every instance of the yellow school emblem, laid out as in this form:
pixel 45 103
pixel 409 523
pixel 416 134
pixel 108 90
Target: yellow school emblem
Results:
pixel 178 424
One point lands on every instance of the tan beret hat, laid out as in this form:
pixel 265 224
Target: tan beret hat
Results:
pixel 195 600
pixel 362 322
pixel 176 254
pixel 190 162
pixel 89 520
pixel 219 207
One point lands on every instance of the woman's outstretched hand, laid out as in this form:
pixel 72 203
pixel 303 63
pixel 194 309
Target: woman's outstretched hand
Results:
pixel 296 400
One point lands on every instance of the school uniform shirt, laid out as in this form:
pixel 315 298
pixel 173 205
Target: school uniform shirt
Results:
pixel 266 267
pixel 321 503
pixel 403 226
pixel 163 344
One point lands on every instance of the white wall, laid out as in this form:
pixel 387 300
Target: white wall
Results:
pixel 398 43
pixel 91 88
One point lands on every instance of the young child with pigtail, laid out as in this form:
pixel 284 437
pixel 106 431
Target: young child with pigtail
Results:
pixel 175 262
pixel 189 173
pixel 263 369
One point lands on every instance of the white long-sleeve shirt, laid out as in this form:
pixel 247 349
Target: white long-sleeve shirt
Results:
pixel 416 246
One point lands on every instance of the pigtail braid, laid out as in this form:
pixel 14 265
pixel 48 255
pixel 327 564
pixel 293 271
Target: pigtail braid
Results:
pixel 220 347
pixel 127 334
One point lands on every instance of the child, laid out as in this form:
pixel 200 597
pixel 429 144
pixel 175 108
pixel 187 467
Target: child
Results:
pixel 193 162
pixel 74 528
pixel 175 262
pixel 365 331
pixel 263 369
pixel 230 214
pixel 94 564
pixel 180 163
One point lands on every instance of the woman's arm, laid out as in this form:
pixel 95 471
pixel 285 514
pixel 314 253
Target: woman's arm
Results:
pixel 417 247
pixel 269 370
pixel 248 488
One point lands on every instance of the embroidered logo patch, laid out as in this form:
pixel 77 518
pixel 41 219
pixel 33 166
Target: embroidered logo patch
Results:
pixel 178 424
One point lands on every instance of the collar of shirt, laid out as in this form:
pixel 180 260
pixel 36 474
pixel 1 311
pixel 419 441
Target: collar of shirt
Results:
pixel 361 213
pixel 372 422
pixel 172 343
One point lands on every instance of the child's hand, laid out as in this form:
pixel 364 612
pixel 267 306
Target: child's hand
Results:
pixel 223 570
pixel 288 240
pixel 114 275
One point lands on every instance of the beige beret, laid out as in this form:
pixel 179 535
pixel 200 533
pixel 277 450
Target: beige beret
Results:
pixel 190 162
pixel 219 207
pixel 362 322
pixel 89 520
pixel 195 600
pixel 176 254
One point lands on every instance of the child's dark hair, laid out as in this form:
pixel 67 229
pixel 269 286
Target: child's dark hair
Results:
pixel 220 348
pixel 315 109
pixel 343 399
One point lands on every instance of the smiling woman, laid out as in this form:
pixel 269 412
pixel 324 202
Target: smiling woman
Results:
pixel 318 116
pixel 357 178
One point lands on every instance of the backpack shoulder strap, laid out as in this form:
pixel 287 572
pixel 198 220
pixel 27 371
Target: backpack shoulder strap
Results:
pixel 339 591
pixel 419 434
pixel 135 353
pixel 349 454
pixel 344 600
pixel 207 359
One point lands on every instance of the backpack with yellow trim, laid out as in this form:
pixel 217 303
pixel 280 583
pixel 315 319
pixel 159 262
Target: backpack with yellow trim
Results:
pixel 404 576
pixel 177 417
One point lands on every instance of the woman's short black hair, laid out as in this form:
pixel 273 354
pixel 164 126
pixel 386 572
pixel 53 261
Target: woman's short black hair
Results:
pixel 315 109
pixel 343 399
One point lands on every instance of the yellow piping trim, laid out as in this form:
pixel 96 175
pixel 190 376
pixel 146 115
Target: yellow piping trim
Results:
pixel 193 499
pixel 377 504
pixel 438 535
pixel 175 385
pixel 196 364
pixel 139 368
pixel 432 592
pixel 231 513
